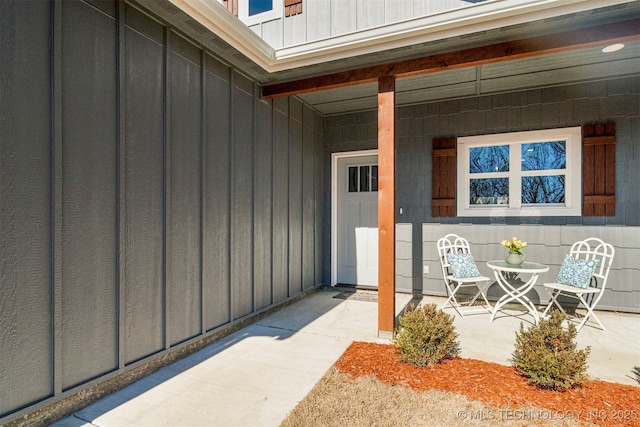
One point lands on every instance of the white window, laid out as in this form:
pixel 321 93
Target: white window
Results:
pixel 534 173
pixel 253 12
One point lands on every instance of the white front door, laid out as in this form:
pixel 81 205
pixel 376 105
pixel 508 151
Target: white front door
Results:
pixel 357 220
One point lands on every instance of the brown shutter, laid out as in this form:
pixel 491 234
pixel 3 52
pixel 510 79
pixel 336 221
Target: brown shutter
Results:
pixel 443 178
pixel 231 5
pixel 599 170
pixel 292 7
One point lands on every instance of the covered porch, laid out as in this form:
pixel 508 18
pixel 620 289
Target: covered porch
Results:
pixel 296 347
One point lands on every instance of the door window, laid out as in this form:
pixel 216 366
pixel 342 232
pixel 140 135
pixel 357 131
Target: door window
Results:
pixel 363 178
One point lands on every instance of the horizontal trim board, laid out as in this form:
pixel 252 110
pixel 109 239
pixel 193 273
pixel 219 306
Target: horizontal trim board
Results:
pixel 444 202
pixel 444 152
pixel 529 47
pixel 599 140
pixel 600 199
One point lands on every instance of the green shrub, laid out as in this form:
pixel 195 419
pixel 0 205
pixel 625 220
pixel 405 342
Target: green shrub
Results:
pixel 426 336
pixel 546 354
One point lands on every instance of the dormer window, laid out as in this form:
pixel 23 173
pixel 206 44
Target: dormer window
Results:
pixel 252 12
pixel 260 6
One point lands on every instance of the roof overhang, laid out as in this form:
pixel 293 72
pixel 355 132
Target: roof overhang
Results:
pixel 485 16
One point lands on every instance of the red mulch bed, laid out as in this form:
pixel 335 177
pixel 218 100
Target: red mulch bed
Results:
pixel 603 403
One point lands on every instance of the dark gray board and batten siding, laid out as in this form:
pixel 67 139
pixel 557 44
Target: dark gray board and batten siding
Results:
pixel 148 196
pixel 550 238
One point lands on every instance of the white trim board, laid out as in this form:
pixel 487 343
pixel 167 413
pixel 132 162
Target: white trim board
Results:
pixel 479 17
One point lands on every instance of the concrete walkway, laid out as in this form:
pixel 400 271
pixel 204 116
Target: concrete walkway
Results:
pixel 257 375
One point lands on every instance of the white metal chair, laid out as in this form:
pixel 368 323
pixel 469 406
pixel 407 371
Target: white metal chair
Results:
pixel 456 245
pixel 591 249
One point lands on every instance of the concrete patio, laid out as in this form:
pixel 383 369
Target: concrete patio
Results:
pixel 257 375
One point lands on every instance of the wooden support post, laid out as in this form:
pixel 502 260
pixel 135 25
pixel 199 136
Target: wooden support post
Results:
pixel 386 206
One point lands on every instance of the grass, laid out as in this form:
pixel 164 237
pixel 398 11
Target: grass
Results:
pixel 339 400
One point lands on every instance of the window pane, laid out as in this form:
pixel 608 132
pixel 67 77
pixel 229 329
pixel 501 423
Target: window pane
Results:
pixel 364 178
pixel 374 178
pixel 544 156
pixel 489 159
pixel 489 191
pixel 259 6
pixel 543 189
pixel 353 179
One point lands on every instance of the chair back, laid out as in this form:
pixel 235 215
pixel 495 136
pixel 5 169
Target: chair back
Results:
pixel 595 249
pixel 451 244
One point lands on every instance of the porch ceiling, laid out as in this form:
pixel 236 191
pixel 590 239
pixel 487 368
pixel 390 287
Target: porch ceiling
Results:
pixel 545 71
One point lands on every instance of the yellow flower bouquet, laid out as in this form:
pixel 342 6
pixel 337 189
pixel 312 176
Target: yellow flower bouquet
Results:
pixel 515 245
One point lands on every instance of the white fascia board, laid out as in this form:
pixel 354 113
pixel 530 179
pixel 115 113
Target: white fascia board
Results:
pixel 217 19
pixel 479 17
pixel 483 16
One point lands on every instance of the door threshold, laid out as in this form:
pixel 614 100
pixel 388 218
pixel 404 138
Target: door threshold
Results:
pixel 354 288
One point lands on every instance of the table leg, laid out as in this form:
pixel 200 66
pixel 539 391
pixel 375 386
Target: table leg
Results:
pixel 515 294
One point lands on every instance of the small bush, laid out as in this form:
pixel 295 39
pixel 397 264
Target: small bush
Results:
pixel 546 354
pixel 426 336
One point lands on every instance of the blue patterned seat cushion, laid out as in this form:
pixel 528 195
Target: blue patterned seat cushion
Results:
pixel 462 265
pixel 577 272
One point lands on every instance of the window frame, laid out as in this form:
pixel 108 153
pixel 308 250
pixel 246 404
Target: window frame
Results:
pixel 276 12
pixel 572 136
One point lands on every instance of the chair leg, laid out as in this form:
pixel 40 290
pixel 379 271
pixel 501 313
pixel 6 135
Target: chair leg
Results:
pixel 452 301
pixel 482 292
pixel 554 301
pixel 590 313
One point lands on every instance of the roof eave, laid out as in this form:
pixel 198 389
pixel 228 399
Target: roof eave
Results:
pixel 457 22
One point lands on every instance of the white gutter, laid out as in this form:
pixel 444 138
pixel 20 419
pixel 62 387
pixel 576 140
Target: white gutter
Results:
pixel 217 19
pixel 483 16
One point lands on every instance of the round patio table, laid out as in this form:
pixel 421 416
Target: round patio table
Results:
pixel 501 270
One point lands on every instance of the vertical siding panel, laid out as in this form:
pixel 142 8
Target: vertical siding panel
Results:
pixel 294 29
pixel 281 200
pixel 56 189
pixel 343 17
pixel 317 15
pixel 89 346
pixel 183 235
pixel 262 204
pixel 371 13
pixel 319 197
pixel 216 292
pixel 242 197
pixel 271 32
pixel 308 205
pixel 396 10
pixel 26 346
pixel 295 197
pixel 143 188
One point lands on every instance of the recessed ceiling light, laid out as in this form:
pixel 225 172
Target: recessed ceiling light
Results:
pixel 613 48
